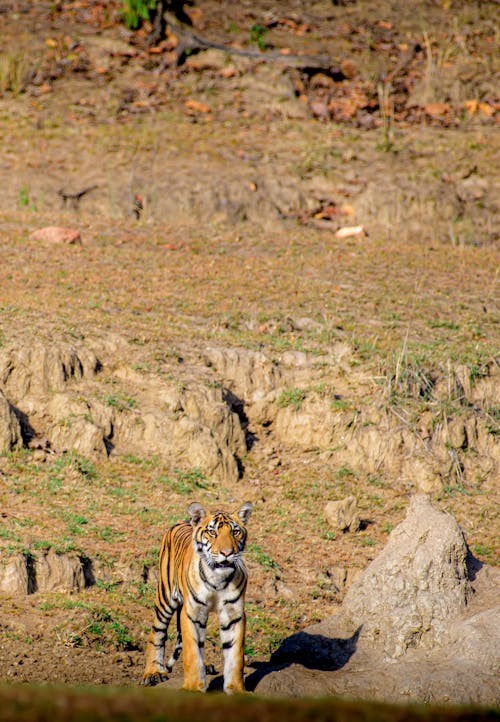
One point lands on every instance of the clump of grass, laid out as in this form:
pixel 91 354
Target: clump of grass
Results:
pixel 186 481
pixel 102 628
pixel 136 12
pixel 120 401
pixel 386 108
pixel 258 35
pixel 261 557
pixel 14 69
pixel 77 462
pixel 292 397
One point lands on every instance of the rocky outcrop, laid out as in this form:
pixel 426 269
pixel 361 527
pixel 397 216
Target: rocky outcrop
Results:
pixel 190 424
pixel 315 403
pixel 40 368
pixel 57 391
pixel 10 429
pixel 422 602
pixel 46 571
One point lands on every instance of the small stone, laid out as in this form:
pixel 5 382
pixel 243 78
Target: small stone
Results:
pixel 343 514
pixel 56 234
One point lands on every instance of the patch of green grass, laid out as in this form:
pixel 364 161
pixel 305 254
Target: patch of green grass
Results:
pixel 72 460
pixel 109 534
pixel 258 35
pixel 344 472
pixel 9 534
pixel 122 402
pixel 257 553
pixel 75 522
pixel 292 397
pixel 186 482
pixel 482 551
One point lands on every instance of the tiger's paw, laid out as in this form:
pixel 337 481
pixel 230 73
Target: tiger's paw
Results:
pixel 151 680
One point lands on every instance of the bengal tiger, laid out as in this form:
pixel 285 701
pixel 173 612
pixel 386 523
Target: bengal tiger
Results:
pixel 201 570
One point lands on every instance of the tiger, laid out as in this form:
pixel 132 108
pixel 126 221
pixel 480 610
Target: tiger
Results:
pixel 201 569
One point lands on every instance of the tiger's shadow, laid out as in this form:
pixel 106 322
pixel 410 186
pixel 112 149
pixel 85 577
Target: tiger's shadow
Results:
pixel 312 651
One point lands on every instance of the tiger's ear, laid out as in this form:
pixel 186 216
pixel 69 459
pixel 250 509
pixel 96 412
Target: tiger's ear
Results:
pixel 197 513
pixel 245 511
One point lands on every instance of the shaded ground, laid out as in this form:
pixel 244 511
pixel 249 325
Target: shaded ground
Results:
pixel 244 181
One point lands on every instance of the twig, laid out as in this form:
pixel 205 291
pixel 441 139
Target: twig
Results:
pixel 75 198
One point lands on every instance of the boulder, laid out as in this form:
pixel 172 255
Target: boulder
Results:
pixel 57 235
pixel 409 593
pixel 14 578
pixel 59 572
pixel 343 514
pixel 423 602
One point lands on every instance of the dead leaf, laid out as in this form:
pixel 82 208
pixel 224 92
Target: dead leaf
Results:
pixel 228 72
pixel 197 106
pixel 486 109
pixel 436 110
pixel 471 106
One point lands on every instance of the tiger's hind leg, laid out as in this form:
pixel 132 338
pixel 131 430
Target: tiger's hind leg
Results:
pixel 155 670
pixel 178 645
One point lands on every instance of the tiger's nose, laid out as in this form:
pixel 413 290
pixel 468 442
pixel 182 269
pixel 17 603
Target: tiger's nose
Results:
pixel 226 552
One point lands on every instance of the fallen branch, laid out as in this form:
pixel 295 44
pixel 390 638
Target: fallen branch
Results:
pixel 189 42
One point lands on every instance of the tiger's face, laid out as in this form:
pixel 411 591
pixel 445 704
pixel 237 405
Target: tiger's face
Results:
pixel 220 538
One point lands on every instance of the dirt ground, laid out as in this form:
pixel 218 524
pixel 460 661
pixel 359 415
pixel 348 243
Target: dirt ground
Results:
pixel 214 191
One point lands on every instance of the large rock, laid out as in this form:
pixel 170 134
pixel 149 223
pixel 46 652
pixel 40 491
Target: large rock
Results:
pixel 409 593
pixel 421 602
pixel 47 571
pixel 59 572
pixel 14 578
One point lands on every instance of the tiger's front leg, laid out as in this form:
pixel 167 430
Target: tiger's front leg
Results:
pixel 193 621
pixel 232 632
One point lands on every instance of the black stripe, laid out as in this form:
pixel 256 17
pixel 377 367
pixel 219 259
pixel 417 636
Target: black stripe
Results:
pixel 227 645
pixel 202 625
pixel 237 598
pixel 204 577
pixel 193 594
pixel 162 616
pixel 231 624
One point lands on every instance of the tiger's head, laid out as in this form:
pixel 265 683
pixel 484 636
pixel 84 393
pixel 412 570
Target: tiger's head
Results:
pixel 220 538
